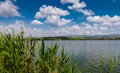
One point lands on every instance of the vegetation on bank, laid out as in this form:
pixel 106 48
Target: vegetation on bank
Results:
pixel 29 56
pixel 77 38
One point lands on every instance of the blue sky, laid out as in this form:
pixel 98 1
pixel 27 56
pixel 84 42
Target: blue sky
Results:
pixel 60 17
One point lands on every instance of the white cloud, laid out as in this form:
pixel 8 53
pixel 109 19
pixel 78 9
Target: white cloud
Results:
pixel 105 20
pixel 57 21
pixel 86 12
pixel 53 15
pixel 8 9
pixel 78 6
pixel 75 27
pixel 81 29
pixel 17 25
pixel 37 22
pixel 45 11
pixel 103 28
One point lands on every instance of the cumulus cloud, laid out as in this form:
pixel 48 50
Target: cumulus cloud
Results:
pixel 81 29
pixel 8 9
pixel 86 12
pixel 95 25
pixel 57 21
pixel 36 22
pixel 45 11
pixel 103 28
pixel 105 20
pixel 78 6
pixel 17 25
pixel 53 15
pixel 75 27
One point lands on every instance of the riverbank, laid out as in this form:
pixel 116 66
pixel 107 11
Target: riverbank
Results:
pixel 77 38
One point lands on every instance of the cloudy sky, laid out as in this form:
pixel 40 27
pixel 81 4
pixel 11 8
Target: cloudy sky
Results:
pixel 60 17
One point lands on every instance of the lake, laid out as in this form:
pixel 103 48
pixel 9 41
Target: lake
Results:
pixel 87 50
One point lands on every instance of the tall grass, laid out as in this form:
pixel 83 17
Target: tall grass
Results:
pixel 112 65
pixel 18 55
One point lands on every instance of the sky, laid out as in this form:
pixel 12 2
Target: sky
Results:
pixel 60 17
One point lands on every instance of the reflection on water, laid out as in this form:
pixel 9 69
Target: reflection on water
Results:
pixel 87 50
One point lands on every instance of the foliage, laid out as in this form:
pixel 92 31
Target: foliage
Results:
pixel 19 55
pixel 28 56
pixel 104 66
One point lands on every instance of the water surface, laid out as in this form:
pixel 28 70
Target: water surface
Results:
pixel 86 50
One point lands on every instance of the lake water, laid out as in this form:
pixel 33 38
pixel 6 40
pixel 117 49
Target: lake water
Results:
pixel 86 50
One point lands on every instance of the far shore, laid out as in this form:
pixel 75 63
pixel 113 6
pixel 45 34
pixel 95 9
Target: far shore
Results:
pixel 75 38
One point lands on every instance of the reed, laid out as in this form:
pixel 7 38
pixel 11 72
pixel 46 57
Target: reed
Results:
pixel 111 65
pixel 19 55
